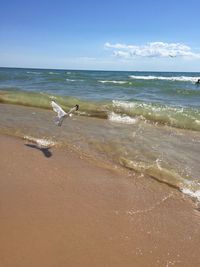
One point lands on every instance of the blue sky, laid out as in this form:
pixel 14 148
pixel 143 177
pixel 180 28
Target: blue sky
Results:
pixel 109 35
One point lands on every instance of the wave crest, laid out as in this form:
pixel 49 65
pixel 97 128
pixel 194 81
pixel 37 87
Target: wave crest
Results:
pixel 121 118
pixel 173 78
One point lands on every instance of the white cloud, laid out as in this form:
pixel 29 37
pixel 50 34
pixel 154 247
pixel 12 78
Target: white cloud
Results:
pixel 154 49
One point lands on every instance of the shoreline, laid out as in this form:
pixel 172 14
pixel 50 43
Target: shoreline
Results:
pixel 169 155
pixel 63 210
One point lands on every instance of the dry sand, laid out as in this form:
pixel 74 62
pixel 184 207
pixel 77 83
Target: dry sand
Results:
pixel 64 210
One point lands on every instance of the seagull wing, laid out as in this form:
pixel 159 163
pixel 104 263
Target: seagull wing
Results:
pixel 71 111
pixel 61 113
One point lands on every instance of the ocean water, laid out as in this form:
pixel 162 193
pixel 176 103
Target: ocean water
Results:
pixel 148 122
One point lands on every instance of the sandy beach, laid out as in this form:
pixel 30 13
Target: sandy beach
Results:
pixel 99 134
pixel 60 209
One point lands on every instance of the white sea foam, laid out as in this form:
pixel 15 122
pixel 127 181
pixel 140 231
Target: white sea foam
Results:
pixel 53 73
pixel 173 78
pixel 70 80
pixel 33 72
pixel 150 107
pixel 193 194
pixel 123 104
pixel 121 118
pixel 115 82
pixel 132 105
pixel 41 142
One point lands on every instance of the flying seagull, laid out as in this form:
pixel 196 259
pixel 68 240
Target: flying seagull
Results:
pixel 61 114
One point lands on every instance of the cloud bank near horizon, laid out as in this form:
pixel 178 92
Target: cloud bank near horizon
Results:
pixel 152 49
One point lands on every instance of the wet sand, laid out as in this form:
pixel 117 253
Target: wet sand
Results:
pixel 59 209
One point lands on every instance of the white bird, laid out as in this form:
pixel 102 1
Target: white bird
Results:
pixel 61 114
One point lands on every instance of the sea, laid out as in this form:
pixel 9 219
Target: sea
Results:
pixel 147 122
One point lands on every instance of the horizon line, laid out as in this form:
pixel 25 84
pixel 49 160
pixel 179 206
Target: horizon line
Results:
pixel 42 68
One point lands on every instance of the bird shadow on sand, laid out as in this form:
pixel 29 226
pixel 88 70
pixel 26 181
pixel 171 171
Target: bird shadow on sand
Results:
pixel 44 150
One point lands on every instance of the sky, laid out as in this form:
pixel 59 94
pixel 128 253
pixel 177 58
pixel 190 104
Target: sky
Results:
pixel 142 35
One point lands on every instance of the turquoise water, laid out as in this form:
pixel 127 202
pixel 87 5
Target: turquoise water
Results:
pixel 168 98
pixel 148 122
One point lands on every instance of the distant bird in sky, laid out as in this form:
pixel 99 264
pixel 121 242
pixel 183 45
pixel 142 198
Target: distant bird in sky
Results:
pixel 61 114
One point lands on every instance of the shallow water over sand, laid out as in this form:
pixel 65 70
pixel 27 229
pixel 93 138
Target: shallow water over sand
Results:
pixel 167 154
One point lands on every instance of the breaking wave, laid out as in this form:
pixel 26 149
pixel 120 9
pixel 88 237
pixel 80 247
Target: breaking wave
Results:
pixel 121 118
pixel 174 78
pixel 115 82
pixel 123 111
